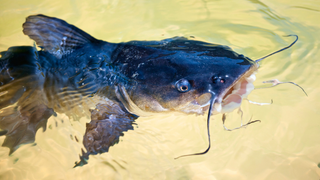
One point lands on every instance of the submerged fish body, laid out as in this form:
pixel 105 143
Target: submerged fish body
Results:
pixel 135 78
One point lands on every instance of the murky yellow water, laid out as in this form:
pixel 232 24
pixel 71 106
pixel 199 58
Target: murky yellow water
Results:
pixel 285 145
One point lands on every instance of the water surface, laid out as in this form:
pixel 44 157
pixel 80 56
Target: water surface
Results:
pixel 285 145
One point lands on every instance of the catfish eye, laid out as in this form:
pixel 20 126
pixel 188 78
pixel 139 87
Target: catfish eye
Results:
pixel 214 79
pixel 183 85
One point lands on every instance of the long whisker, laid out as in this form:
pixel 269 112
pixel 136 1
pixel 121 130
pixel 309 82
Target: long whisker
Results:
pixel 276 82
pixel 280 49
pixel 208 129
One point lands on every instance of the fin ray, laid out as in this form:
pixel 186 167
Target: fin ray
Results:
pixel 55 35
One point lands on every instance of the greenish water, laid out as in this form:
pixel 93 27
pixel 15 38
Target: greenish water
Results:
pixel 285 145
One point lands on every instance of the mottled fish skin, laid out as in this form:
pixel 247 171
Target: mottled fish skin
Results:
pixel 132 77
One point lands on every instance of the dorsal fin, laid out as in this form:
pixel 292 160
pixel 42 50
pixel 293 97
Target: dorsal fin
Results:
pixel 55 35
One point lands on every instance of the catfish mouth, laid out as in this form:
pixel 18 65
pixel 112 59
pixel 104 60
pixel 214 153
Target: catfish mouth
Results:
pixel 231 98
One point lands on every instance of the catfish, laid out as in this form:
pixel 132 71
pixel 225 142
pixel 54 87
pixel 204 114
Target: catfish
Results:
pixel 131 79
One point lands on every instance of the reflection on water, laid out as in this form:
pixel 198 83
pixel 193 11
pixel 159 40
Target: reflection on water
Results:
pixel 283 146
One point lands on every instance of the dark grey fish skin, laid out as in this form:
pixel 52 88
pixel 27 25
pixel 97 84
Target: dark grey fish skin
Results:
pixel 108 122
pixel 137 76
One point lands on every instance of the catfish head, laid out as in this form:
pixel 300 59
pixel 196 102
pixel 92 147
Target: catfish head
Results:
pixel 184 75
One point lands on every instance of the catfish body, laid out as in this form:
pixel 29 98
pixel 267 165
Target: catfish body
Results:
pixel 135 78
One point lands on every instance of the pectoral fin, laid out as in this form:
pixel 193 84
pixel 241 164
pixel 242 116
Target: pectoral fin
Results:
pixel 108 122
